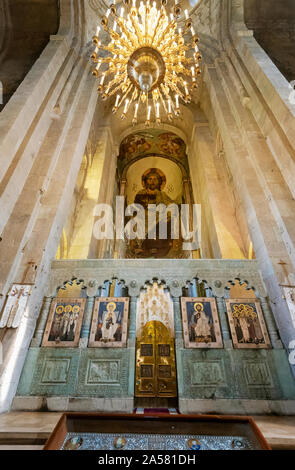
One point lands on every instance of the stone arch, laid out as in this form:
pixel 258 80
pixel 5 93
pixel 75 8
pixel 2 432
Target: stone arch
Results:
pixel 182 165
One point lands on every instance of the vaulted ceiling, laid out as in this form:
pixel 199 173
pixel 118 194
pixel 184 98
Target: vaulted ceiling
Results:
pixel 26 26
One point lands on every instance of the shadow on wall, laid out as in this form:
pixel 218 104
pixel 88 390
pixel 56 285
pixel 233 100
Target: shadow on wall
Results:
pixel 273 24
pixel 25 28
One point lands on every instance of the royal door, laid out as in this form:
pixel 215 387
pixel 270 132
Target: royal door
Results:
pixel 155 362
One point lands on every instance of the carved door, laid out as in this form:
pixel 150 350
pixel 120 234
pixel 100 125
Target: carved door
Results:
pixel 155 362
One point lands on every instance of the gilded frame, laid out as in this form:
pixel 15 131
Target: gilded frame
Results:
pixel 52 329
pixel 188 331
pixel 107 335
pixel 266 344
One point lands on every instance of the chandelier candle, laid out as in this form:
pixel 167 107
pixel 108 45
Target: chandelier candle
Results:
pixel 147 60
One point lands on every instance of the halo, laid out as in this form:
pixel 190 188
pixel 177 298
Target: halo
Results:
pixel 196 304
pixel 68 308
pixel 76 309
pixel 158 172
pixel 111 303
pixel 59 309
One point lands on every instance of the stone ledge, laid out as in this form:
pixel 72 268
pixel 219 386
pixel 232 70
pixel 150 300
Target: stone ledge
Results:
pixel 236 406
pixel 37 403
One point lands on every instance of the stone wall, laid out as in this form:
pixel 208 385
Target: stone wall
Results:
pixel 43 133
pixel 252 381
pixel 44 130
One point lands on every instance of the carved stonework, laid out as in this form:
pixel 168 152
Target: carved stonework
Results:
pixel 101 372
pixel 154 305
pixel 289 294
pixel 257 374
pixel 207 373
pixel 136 272
pixel 15 306
pixel 56 371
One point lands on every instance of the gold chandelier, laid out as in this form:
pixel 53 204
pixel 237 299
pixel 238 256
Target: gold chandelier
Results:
pixel 149 63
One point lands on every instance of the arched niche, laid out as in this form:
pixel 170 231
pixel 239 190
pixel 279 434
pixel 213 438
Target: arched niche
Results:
pixel 170 171
pixel 163 154
pixel 152 143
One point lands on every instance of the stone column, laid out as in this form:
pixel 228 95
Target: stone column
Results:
pixel 132 322
pixel 108 153
pixel 120 246
pixel 189 200
pixel 86 322
pixel 177 323
pixel 221 307
pixel 131 344
pixel 267 202
pixel 41 323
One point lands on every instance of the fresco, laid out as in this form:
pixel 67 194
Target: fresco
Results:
pixel 152 142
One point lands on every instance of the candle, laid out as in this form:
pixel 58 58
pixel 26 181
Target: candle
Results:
pixel 126 106
pixel 98 65
pixel 158 110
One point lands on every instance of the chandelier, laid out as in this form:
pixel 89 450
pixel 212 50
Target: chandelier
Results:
pixel 148 63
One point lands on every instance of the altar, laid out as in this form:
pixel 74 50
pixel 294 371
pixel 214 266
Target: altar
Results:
pixel 92 431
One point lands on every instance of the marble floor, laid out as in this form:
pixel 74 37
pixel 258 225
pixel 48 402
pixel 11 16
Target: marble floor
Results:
pixel 29 430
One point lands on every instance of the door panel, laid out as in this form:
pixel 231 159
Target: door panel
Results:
pixel 155 362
